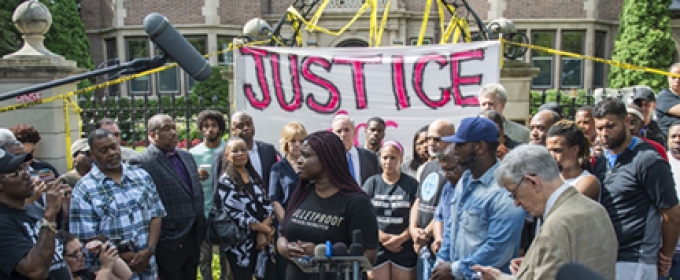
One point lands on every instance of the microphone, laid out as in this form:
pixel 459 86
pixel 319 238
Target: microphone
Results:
pixel 576 271
pixel 176 46
pixel 339 250
pixel 319 254
pixel 356 249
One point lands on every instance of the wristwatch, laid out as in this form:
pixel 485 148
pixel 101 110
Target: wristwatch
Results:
pixel 152 249
pixel 45 223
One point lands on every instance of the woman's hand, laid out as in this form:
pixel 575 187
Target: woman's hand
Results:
pixel 261 241
pixel 289 250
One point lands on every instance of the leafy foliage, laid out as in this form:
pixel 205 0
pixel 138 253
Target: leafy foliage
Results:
pixel 644 39
pixel 67 35
pixel 10 39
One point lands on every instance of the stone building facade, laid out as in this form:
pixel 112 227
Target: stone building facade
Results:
pixel 588 27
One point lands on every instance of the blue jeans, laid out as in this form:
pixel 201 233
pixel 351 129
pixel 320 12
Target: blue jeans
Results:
pixel 424 268
pixel 675 269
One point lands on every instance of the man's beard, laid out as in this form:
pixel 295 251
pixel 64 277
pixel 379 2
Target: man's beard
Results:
pixel 467 165
pixel 617 141
pixel 212 138
pixel 432 152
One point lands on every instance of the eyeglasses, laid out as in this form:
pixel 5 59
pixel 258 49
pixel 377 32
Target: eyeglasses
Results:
pixel 16 174
pixel 76 255
pixel 513 193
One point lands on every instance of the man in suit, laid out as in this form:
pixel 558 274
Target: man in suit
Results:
pixel 362 163
pixel 262 155
pixel 175 174
pixel 575 228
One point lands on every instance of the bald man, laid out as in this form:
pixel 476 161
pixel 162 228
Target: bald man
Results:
pixel 362 163
pixel 540 124
pixel 432 181
pixel 175 175
pixel 261 154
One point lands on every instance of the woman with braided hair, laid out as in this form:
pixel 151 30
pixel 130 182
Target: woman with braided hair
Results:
pixel 571 149
pixel 328 204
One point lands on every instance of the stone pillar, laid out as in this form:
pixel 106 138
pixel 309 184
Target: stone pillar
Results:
pixel 34 64
pixel 516 78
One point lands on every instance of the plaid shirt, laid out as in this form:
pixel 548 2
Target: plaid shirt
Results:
pixel 100 206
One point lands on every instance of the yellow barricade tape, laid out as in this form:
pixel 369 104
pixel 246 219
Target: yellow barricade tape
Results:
pixel 423 26
pixel 596 59
pixel 312 27
pixel 383 23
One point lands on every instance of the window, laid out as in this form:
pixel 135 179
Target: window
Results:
pixel 168 79
pixel 226 57
pixel 111 56
pixel 544 61
pixel 572 68
pixel 598 68
pixel 413 41
pixel 200 45
pixel 138 48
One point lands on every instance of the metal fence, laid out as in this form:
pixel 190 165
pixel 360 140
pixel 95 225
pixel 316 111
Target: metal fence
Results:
pixel 133 112
pixel 571 99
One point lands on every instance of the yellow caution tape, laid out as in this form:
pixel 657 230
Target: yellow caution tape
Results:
pixel 67 129
pixel 423 26
pixel 383 23
pixel 596 59
pixel 313 27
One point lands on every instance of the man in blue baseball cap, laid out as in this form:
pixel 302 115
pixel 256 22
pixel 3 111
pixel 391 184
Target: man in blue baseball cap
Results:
pixel 485 224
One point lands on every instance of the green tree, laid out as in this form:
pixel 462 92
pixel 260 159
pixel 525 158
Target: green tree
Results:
pixel 644 39
pixel 10 39
pixel 214 89
pixel 67 35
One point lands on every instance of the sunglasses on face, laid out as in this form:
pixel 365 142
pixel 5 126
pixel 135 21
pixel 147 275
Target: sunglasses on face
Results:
pixel 16 174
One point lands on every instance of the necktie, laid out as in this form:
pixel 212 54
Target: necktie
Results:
pixel 351 165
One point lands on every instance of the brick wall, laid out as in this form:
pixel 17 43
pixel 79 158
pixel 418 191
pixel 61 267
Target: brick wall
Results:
pixel 240 11
pixel 96 48
pixel 177 11
pixel 609 9
pixel 554 9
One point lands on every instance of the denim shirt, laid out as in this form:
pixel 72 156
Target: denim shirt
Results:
pixel 484 227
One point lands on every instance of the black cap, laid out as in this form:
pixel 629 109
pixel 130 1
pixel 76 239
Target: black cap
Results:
pixel 644 94
pixel 10 163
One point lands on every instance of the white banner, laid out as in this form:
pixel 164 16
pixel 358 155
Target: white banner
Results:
pixel 408 87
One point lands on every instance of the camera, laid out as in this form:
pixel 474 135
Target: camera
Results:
pixel 125 246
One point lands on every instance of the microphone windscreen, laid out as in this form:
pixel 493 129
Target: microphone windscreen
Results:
pixel 576 271
pixel 176 46
pixel 339 249
pixel 320 251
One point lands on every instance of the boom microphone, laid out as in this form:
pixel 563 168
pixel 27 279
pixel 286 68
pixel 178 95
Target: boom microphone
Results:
pixel 176 46
pixel 576 271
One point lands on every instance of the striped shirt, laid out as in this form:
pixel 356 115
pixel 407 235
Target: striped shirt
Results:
pixel 121 212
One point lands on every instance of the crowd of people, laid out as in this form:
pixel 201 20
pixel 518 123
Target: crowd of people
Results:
pixel 492 199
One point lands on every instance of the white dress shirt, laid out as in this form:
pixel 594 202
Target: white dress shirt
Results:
pixel 254 157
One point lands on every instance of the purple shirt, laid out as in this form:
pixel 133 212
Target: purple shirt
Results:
pixel 180 169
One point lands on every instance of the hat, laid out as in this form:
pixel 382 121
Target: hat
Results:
pixel 644 94
pixel 80 145
pixel 635 110
pixel 10 163
pixel 474 129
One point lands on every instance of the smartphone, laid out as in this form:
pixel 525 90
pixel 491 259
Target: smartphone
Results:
pixel 45 175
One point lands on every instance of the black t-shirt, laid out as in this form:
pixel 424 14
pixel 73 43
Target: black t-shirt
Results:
pixel 665 100
pixel 392 203
pixel 634 190
pixel 429 192
pixel 18 233
pixel 334 218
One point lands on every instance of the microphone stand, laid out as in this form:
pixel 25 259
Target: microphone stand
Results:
pixel 131 67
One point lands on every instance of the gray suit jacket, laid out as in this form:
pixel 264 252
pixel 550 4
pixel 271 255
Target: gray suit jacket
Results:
pixel 185 210
pixel 577 229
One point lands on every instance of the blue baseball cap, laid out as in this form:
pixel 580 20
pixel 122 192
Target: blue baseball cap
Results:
pixel 474 129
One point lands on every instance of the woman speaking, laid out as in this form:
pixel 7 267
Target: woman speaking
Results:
pixel 328 205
